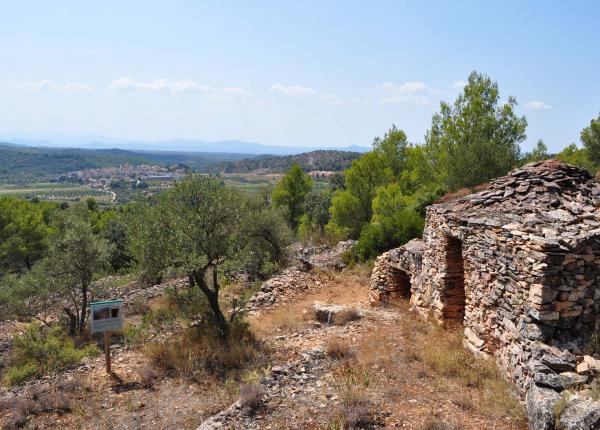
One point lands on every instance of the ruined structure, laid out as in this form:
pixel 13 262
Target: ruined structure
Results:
pixel 518 264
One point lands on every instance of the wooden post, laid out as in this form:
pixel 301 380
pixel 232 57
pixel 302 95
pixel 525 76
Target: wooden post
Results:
pixel 107 350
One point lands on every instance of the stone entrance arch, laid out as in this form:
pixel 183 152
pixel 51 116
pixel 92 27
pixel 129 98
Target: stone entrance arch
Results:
pixel 399 283
pixel 453 294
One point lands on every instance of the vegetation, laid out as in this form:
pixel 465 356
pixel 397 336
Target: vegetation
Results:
pixel 20 164
pixel 475 139
pixel 24 231
pixel 206 229
pixel 37 352
pixel 325 160
pixel 590 137
pixel 291 192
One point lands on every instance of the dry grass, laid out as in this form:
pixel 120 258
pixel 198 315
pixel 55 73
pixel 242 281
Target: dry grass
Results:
pixel 251 396
pixel 339 349
pixel 347 315
pixel 436 424
pixel 282 319
pixel 192 353
pixel 442 350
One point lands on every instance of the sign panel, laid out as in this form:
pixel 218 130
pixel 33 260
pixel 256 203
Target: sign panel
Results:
pixel 106 315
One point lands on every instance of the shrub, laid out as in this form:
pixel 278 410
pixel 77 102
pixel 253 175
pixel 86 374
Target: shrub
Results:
pixel 147 377
pixel 40 401
pixel 356 408
pixel 436 424
pixel 339 349
pixel 196 351
pixel 37 352
pixel 347 315
pixel 251 396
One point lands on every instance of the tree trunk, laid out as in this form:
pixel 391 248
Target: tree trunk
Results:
pixel 212 295
pixel 72 321
pixel 84 304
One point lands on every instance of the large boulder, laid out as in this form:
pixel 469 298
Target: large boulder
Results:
pixel 580 414
pixel 540 407
pixel 560 382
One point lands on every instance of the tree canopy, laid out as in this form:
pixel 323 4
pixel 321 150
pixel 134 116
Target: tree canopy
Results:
pixel 205 229
pixel 590 137
pixel 290 193
pixel 476 138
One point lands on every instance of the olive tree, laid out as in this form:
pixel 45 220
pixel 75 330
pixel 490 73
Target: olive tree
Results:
pixel 206 229
pixel 76 257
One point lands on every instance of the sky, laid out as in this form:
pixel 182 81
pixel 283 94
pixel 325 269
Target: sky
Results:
pixel 309 73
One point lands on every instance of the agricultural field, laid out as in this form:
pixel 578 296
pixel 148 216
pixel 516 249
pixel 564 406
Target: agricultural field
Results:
pixel 54 191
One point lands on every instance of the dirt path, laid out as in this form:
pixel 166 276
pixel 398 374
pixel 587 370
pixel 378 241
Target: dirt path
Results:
pixel 312 390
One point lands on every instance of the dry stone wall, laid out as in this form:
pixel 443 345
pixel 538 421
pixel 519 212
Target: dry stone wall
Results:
pixel 518 264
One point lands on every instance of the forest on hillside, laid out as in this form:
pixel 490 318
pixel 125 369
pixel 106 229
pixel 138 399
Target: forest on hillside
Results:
pixel 21 164
pixel 327 160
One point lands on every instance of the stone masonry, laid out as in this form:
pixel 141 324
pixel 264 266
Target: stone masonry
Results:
pixel 518 264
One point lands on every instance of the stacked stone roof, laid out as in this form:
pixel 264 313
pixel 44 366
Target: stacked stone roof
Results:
pixel 549 202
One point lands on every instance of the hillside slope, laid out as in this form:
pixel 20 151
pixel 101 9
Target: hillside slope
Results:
pixel 330 160
pixel 27 164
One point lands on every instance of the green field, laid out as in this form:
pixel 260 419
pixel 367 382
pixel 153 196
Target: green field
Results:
pixel 54 191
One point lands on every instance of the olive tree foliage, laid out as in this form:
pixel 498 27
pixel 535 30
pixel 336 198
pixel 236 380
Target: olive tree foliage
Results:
pixel 590 137
pixel 31 296
pixel 76 258
pixel 477 137
pixel 290 192
pixel 207 230
pixel 65 277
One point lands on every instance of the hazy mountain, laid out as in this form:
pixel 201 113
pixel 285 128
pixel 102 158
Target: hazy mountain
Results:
pixel 177 145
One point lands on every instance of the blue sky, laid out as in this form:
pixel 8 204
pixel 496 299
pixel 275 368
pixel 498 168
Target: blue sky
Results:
pixel 323 73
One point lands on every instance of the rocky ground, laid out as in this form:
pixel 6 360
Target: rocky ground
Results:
pixel 355 360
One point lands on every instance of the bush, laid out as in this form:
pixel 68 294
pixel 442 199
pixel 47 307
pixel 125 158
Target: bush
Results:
pixel 436 424
pixel 251 396
pixel 339 349
pixel 147 377
pixel 18 374
pixel 196 351
pixel 37 352
pixel 387 232
pixel 356 409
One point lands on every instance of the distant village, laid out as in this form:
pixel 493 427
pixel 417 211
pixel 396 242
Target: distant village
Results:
pixel 107 177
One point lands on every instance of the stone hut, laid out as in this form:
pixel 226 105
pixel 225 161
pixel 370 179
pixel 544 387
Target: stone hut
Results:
pixel 517 264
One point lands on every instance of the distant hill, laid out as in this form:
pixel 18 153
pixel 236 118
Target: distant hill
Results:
pixel 173 145
pixel 330 160
pixel 27 164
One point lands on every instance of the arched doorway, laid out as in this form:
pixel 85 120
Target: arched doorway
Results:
pixel 399 283
pixel 453 296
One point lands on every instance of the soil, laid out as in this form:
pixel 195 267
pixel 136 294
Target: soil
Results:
pixel 306 388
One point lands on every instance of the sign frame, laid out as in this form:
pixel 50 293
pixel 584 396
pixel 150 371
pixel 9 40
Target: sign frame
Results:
pixel 106 315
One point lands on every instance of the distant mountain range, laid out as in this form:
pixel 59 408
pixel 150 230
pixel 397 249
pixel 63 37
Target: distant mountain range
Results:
pixel 174 145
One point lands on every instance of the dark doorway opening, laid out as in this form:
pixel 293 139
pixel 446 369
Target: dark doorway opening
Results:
pixel 399 284
pixel 454 284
